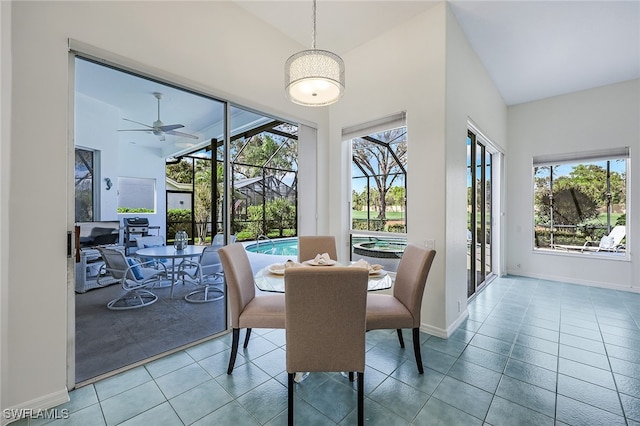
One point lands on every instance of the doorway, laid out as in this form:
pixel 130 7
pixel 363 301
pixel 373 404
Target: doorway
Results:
pixel 480 206
pixel 133 125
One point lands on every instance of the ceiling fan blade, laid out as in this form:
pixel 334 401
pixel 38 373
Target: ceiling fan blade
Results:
pixel 169 127
pixel 136 130
pixel 137 122
pixel 184 135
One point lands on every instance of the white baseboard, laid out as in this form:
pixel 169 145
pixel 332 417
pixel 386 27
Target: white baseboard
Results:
pixel 38 408
pixel 442 333
pixel 573 280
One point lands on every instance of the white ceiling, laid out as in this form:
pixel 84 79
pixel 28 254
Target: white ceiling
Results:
pixel 531 49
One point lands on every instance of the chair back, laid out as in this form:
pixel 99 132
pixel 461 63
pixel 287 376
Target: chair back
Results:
pixel 614 238
pixel 210 262
pixel 218 239
pixel 325 311
pixel 311 245
pixel 150 241
pixel 239 277
pixel 411 278
pixel 116 263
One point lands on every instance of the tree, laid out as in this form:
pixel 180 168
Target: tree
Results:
pixel 250 155
pixel 382 156
pixel 281 215
pixel 203 202
pixel 197 172
pixel 396 195
pixel 181 172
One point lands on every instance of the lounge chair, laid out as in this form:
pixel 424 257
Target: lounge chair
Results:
pixel 611 242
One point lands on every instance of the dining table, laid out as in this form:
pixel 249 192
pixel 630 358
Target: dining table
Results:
pixel 170 253
pixel 271 277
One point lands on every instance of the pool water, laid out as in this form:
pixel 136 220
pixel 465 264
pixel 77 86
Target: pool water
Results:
pixel 284 247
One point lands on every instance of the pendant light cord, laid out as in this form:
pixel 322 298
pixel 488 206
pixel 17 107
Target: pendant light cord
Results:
pixel 313 37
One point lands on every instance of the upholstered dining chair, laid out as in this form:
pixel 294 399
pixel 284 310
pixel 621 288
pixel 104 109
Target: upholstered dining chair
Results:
pixel 309 246
pixel 134 277
pixel 325 324
pixel 206 273
pixel 247 310
pixel 402 308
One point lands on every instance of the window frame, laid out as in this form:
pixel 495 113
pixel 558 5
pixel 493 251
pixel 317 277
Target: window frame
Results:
pixel 574 160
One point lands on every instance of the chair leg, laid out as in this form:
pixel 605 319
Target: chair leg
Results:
pixel 361 398
pixel 416 349
pixel 246 338
pixel 234 349
pixel 290 399
pixel 400 338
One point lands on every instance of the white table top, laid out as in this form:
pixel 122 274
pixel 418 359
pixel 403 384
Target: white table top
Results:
pixel 169 252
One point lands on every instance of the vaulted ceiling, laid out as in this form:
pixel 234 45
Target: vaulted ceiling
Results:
pixel 531 49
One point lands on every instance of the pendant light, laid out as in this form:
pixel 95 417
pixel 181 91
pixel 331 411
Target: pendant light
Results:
pixel 314 77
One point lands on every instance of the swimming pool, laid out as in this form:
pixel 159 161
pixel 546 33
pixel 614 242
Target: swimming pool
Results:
pixel 281 247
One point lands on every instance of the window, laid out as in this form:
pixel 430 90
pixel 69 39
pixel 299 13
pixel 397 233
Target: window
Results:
pixel 378 190
pixel 85 185
pixel 136 195
pixel 578 200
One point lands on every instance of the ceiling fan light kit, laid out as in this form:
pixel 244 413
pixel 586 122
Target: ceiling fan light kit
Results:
pixel 158 128
pixel 314 77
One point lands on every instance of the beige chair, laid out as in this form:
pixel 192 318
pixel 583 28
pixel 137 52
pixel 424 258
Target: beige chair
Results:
pixel 311 245
pixel 402 308
pixel 134 277
pixel 325 317
pixel 246 310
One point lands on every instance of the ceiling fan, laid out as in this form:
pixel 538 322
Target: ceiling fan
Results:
pixel 158 128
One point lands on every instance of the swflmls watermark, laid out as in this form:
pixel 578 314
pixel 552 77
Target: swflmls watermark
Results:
pixel 30 413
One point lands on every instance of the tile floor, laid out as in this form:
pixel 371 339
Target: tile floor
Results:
pixel 532 352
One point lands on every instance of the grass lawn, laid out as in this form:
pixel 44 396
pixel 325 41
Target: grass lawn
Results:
pixel 358 214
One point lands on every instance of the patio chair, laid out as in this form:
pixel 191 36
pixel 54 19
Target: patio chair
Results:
pixel 311 245
pixel 402 308
pixel 134 277
pixel 150 241
pixel 206 272
pixel 218 239
pixel 609 242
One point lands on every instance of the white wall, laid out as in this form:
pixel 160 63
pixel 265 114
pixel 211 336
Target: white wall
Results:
pixel 426 68
pixel 401 70
pixel 96 129
pixel 196 44
pixel 5 169
pixel 588 120
pixel 471 95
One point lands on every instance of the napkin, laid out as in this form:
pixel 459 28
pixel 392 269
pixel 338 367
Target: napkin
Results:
pixel 360 264
pixel 290 264
pixel 364 264
pixel 279 267
pixel 322 259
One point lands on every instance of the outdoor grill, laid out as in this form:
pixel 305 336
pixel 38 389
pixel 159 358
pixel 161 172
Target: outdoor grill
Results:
pixel 134 227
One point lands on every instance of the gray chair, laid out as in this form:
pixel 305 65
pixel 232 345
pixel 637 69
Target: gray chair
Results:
pixel 134 277
pixel 206 273
pixel 311 245
pixel 325 318
pixel 402 308
pixel 247 310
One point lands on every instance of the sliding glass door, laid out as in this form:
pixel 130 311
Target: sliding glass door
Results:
pixel 479 213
